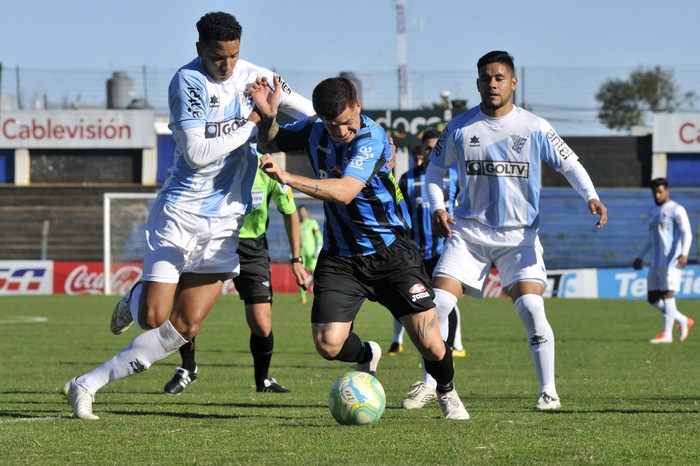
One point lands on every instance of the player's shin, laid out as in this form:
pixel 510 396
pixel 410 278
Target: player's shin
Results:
pixel 540 336
pixel 444 303
pixel 143 351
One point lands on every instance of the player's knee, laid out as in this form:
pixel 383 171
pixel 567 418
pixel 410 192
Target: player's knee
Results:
pixel 328 350
pixel 653 297
pixel 150 318
pixel 433 353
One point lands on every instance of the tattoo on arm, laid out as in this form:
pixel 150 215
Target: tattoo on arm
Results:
pixel 314 189
pixel 424 327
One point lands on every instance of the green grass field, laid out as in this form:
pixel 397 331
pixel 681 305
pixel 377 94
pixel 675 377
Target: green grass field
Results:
pixel 624 400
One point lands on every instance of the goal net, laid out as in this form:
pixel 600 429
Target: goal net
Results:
pixel 124 220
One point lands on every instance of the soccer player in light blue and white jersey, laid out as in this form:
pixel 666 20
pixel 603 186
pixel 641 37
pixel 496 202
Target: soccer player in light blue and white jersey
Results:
pixel 669 240
pixel 192 232
pixel 498 148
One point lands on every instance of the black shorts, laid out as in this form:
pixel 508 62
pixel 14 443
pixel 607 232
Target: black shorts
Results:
pixel 253 283
pixel 394 277
pixel 430 265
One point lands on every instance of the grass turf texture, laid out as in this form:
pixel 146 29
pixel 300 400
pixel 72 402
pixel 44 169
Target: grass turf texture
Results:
pixel 624 400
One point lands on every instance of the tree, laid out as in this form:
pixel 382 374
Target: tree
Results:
pixel 626 103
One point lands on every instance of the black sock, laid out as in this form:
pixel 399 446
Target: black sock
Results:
pixel 443 371
pixel 352 350
pixel 261 349
pixel 187 354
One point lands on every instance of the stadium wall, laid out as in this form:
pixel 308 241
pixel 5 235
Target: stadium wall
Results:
pixel 76 278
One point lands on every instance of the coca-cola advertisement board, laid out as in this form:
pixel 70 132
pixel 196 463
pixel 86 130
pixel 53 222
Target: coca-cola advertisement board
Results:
pixel 89 277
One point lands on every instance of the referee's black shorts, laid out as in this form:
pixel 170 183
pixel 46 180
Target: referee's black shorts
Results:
pixel 253 283
pixel 394 277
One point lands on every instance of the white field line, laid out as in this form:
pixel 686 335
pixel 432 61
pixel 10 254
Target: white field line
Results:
pixel 23 320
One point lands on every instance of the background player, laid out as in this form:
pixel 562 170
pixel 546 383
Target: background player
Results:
pixel 669 240
pixel 311 244
pixel 414 189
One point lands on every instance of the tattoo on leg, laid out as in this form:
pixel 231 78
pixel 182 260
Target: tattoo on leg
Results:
pixel 425 327
pixel 322 327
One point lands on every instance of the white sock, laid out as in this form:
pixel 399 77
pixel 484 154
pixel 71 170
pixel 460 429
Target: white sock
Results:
pixel 540 338
pixel 143 351
pixel 444 303
pixel 398 332
pixel 668 316
pixel 458 331
pixel 671 307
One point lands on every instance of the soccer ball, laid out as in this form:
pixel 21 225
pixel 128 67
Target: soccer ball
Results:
pixel 356 398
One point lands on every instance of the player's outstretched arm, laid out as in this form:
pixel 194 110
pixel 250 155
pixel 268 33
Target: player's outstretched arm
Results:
pixel 342 190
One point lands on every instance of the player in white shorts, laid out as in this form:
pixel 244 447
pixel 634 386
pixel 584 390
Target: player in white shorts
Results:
pixel 499 148
pixel 192 231
pixel 669 240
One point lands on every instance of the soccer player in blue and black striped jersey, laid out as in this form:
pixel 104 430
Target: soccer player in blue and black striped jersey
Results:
pixel 367 252
pixel 415 191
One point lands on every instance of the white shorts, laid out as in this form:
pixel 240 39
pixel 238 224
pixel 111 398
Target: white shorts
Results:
pixel 178 241
pixel 473 247
pixel 664 278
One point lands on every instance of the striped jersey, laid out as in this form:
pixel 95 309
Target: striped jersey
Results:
pixel 415 191
pixel 222 187
pixel 373 220
pixel 499 164
pixel 669 234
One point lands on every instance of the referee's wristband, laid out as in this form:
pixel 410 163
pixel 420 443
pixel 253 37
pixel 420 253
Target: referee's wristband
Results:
pixel 295 260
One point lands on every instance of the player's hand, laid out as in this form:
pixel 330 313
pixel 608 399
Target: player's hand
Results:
pixel 597 208
pixel 272 169
pixel 267 100
pixel 637 264
pixel 441 223
pixel 300 274
pixel 682 262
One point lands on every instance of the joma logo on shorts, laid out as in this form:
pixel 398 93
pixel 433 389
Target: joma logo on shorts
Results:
pixel 491 168
pixel 418 296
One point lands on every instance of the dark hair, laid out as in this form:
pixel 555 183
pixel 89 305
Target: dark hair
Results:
pixel 218 26
pixel 656 182
pixel 497 56
pixel 302 206
pixel 332 96
pixel 430 133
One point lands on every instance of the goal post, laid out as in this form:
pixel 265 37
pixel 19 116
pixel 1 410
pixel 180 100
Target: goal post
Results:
pixel 124 218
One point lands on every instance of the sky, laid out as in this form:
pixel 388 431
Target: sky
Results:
pixel 563 48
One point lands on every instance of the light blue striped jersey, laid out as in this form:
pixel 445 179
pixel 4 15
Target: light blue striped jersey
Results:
pixel 222 187
pixel 499 164
pixel 373 220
